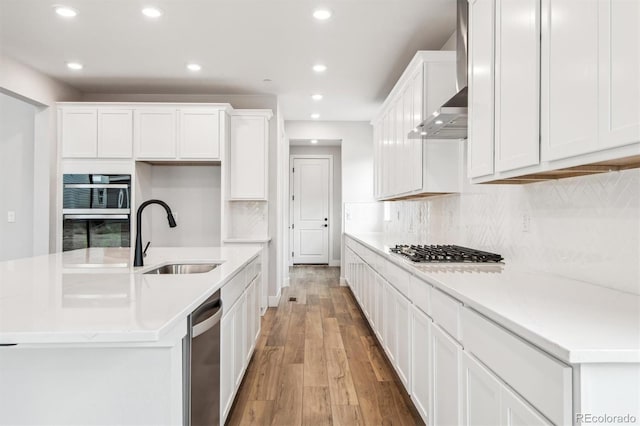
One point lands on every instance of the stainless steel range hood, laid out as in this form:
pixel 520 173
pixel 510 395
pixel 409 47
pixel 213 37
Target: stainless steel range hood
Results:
pixel 450 121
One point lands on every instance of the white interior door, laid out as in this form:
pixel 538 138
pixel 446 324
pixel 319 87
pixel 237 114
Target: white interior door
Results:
pixel 310 200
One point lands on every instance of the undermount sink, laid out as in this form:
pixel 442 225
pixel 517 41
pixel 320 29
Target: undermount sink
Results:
pixel 183 268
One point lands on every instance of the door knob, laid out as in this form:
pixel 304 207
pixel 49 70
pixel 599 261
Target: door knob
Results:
pixel 325 225
pixel 326 219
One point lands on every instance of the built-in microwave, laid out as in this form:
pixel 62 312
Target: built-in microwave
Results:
pixel 96 211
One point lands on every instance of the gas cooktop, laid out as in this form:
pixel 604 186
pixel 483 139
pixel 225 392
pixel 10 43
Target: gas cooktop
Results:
pixel 445 254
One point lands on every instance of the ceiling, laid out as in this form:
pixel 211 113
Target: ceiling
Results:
pixel 319 142
pixel 365 45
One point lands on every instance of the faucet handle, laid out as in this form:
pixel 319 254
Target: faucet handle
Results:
pixel 144 252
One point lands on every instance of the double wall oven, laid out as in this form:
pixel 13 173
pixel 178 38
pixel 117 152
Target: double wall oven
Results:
pixel 96 211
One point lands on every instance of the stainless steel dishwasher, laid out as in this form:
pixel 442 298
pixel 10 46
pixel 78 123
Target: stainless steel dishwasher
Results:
pixel 202 364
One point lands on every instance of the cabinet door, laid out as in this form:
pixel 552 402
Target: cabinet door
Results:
pixel 481 87
pixel 226 363
pixel 399 169
pixel 619 72
pixel 403 337
pixel 516 412
pixel 115 133
pixel 239 340
pixel 517 108
pixel 569 94
pixel 421 382
pixel 481 394
pixel 445 356
pixel 79 133
pixel 410 171
pixel 252 313
pixel 248 158
pixel 199 133
pixel 389 334
pixel 379 309
pixel 417 108
pixel 155 133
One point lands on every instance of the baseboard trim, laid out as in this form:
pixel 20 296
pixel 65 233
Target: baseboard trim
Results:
pixel 334 262
pixel 286 282
pixel 274 301
pixel 343 281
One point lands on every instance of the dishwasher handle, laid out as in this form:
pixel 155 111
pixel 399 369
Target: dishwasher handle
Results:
pixel 201 326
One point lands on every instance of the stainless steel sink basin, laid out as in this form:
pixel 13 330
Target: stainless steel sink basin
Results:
pixel 183 268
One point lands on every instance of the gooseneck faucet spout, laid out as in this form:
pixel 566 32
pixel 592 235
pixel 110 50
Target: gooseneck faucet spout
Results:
pixel 137 259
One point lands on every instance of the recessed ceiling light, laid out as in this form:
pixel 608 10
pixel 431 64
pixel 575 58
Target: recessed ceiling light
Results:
pixel 423 133
pixel 322 14
pixel 315 115
pixel 74 65
pixel 194 67
pixel 316 97
pixel 65 11
pixel 319 68
pixel 439 121
pixel 152 12
pixel 314 141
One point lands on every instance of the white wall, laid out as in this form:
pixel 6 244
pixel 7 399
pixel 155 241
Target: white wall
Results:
pixel 193 194
pixel 42 91
pixel 585 228
pixel 335 219
pixel 17 133
pixel 451 43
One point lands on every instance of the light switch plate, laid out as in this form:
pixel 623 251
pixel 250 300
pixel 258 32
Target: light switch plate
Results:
pixel 11 216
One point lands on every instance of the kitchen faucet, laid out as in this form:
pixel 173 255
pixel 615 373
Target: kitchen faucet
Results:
pixel 137 259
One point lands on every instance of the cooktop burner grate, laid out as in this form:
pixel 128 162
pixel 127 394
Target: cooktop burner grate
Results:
pixel 445 254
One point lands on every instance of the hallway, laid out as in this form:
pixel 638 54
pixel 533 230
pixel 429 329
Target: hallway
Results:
pixel 317 363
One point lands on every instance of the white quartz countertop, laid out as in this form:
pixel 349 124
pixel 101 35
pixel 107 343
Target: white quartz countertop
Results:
pixel 575 321
pixel 95 295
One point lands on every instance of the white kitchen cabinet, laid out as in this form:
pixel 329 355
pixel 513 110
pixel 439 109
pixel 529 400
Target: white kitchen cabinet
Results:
pixel 389 336
pixel 481 394
pixel 421 380
pixel 569 78
pixel 481 87
pixel 200 133
pixel 407 167
pixel 249 155
pixel 226 362
pixel 619 72
pixel 379 318
pixel 155 133
pixel 79 132
pixel 516 412
pixel 115 133
pixel 239 339
pixel 517 84
pixel 403 336
pixel 446 357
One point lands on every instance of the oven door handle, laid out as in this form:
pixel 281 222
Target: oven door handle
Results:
pixel 95 216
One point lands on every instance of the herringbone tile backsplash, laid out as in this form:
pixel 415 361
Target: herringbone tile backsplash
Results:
pixel 585 228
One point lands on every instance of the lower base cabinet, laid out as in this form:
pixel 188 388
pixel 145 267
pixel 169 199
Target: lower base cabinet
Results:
pixel 421 363
pixel 446 356
pixel 488 402
pixel 239 331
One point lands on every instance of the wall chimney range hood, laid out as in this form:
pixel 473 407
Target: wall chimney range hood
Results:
pixel 450 121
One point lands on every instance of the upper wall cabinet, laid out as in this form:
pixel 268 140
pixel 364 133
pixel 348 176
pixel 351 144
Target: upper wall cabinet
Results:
pixel 562 80
pixel 96 132
pixel 249 155
pixel 147 131
pixel 184 133
pixel 406 167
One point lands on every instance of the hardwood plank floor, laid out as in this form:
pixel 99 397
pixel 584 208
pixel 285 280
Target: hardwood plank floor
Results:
pixel 317 362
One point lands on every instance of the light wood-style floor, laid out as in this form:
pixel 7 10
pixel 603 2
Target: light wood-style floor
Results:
pixel 318 363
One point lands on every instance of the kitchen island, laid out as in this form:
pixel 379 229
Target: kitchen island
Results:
pixel 89 339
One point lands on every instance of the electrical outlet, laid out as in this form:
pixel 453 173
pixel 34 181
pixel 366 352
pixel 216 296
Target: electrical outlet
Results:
pixel 11 216
pixel 526 223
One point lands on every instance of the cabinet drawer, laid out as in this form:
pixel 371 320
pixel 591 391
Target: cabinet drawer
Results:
pixel 543 381
pixel 232 290
pixel 420 294
pixel 397 276
pixel 445 311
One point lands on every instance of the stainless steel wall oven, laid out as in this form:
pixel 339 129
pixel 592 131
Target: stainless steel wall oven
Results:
pixel 96 211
